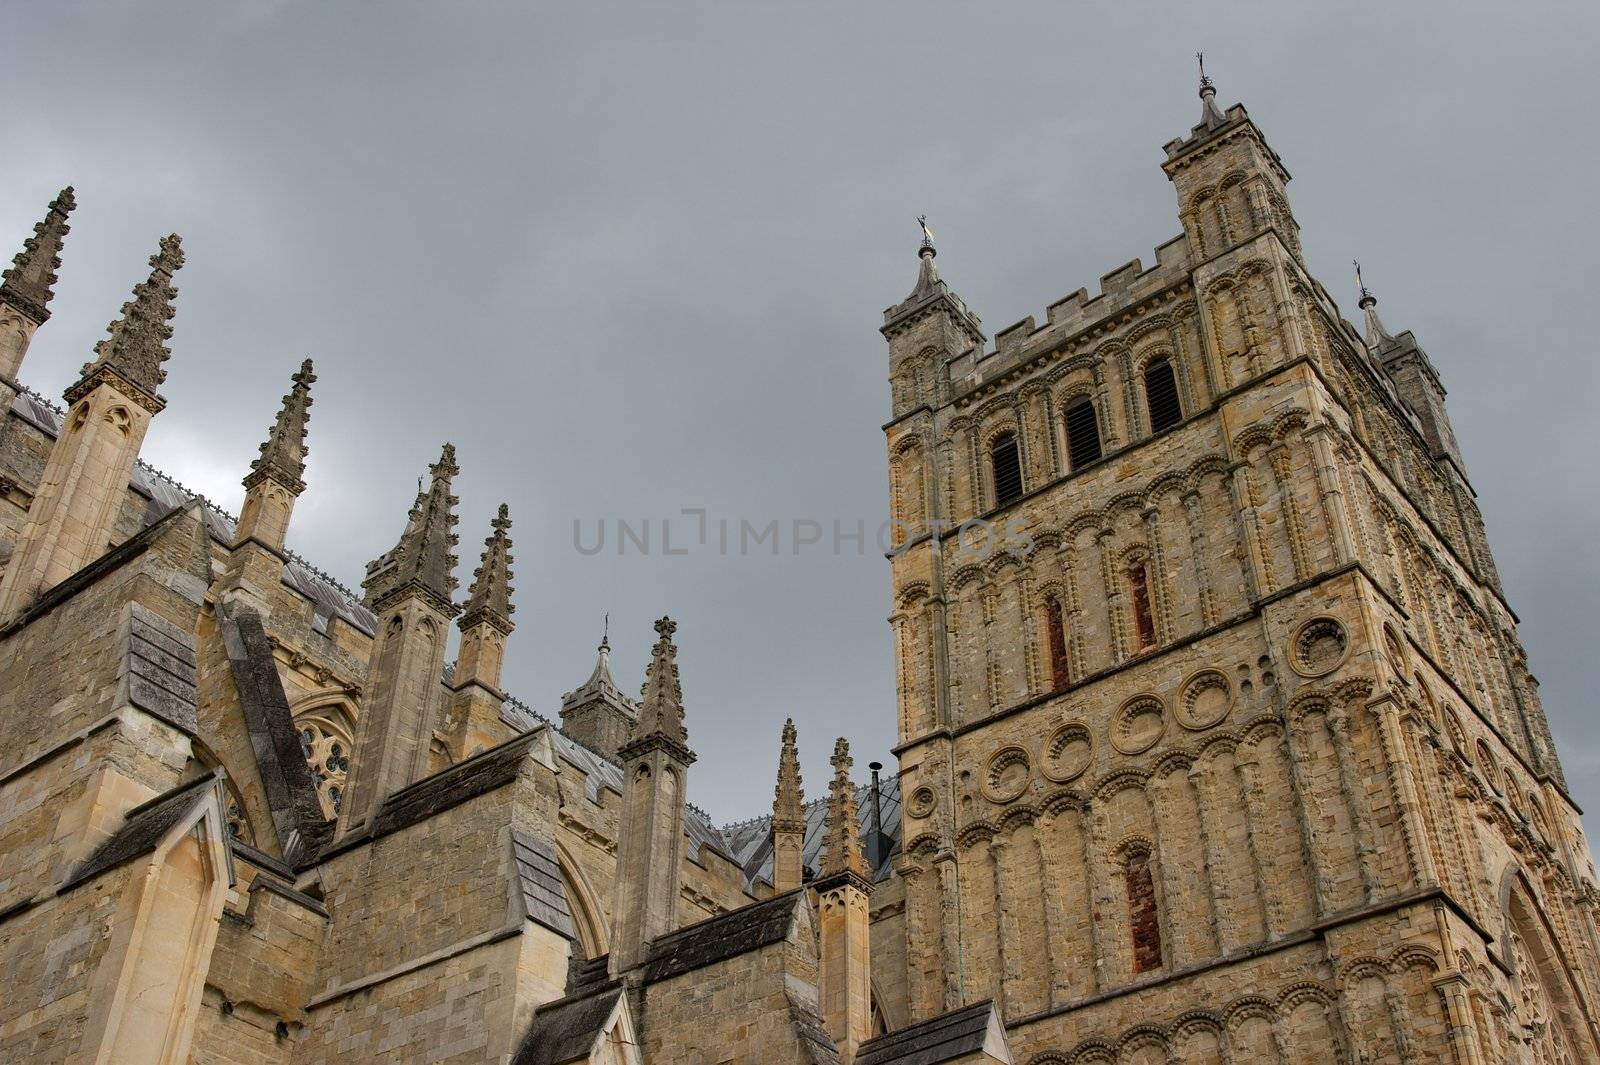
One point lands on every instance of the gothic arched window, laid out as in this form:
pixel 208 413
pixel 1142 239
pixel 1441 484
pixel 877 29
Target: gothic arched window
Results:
pixel 328 755
pixel 1161 396
pixel 1005 460
pixel 1144 624
pixel 1083 433
pixel 1057 632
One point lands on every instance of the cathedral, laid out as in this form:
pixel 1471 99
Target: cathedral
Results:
pixel 1216 740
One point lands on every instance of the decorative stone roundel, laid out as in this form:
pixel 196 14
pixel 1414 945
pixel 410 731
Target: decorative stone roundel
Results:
pixel 1139 724
pixel 921 802
pixel 1067 753
pixel 1007 775
pixel 1319 647
pixel 1205 701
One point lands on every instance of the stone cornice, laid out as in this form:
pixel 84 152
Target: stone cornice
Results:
pixel 100 373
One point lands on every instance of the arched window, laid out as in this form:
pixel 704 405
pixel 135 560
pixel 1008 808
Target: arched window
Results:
pixel 1143 921
pixel 1161 396
pixel 1083 433
pixel 1057 632
pixel 1144 624
pixel 1006 462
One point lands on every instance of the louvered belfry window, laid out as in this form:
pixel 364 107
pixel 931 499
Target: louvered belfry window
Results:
pixel 1083 433
pixel 1161 396
pixel 1006 463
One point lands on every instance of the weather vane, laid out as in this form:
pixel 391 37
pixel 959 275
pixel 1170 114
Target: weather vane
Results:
pixel 1204 81
pixel 1359 283
pixel 927 233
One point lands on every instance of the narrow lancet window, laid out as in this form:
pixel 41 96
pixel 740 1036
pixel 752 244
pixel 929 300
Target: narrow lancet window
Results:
pixel 1142 918
pixel 1056 630
pixel 1143 620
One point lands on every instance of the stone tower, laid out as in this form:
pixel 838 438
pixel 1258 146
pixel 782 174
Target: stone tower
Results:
pixel 1215 730
pixel 72 515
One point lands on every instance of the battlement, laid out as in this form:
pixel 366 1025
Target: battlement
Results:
pixel 1076 313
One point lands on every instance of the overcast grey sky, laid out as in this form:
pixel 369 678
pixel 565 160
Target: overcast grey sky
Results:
pixel 632 259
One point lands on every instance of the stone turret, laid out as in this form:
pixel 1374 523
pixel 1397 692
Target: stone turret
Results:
pixel 788 817
pixel 655 765
pixel 27 288
pixel 843 921
pixel 1415 380
pixel 597 714
pixel 277 476
pixel 925 331
pixel 85 481
pixel 1229 182
pixel 476 698
pixel 410 591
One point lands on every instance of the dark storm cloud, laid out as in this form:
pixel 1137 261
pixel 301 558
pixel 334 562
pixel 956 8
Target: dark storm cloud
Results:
pixel 631 260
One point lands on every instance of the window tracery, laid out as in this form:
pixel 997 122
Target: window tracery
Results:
pixel 327 752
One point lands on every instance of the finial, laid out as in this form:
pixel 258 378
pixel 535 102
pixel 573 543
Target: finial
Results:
pixel 29 284
pixel 927 248
pixel 423 559
pixel 605 632
pixel 1210 116
pixel 283 455
pixel 136 348
pixel 788 798
pixel 661 702
pixel 1377 335
pixel 842 843
pixel 489 599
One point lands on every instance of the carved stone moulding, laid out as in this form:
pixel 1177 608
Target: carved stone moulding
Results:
pixel 1318 647
pixel 1067 752
pixel 1006 776
pixel 921 802
pixel 1139 725
pixel 1206 699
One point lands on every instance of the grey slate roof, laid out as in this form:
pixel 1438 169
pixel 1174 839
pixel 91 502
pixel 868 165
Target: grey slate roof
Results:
pixel 725 936
pixel 942 1038
pixel 750 842
pixel 142 828
pixel 566 1029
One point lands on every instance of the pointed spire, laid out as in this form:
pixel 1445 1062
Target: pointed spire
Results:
pixel 423 559
pixel 136 348
pixel 789 798
pixel 29 284
pixel 1210 115
pixel 927 272
pixel 841 844
pixel 661 708
pixel 490 596
pixel 1377 335
pixel 283 455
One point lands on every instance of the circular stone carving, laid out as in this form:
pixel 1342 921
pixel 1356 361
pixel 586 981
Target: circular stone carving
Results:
pixel 1067 753
pixel 1139 725
pixel 1319 646
pixel 921 802
pixel 1007 775
pixel 1206 700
